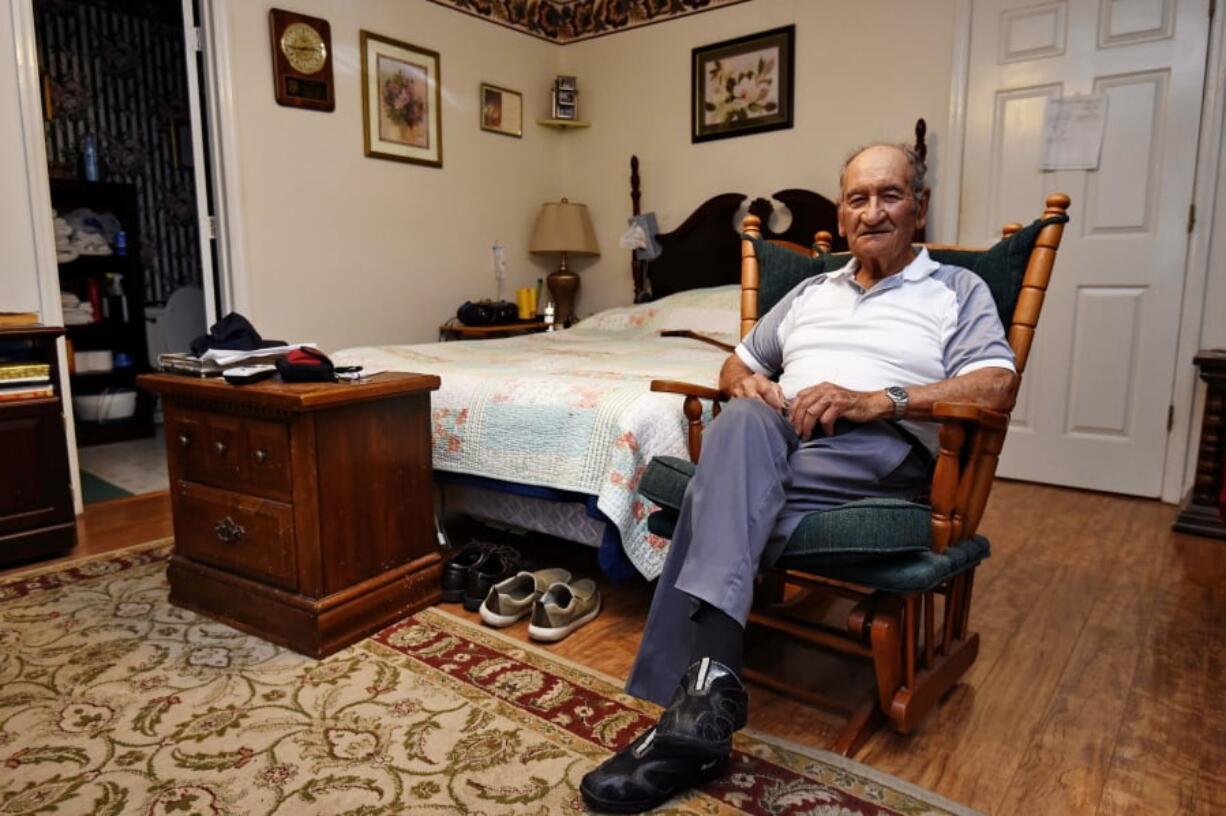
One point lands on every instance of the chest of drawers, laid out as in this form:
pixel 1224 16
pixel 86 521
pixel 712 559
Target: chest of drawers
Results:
pixel 303 513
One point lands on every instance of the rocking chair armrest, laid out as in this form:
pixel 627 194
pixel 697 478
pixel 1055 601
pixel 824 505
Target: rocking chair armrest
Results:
pixel 969 412
pixel 688 390
pixel 692 407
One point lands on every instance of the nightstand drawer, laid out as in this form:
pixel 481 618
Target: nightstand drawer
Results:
pixel 236 532
pixel 238 453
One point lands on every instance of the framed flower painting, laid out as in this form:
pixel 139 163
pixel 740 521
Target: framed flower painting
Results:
pixel 743 86
pixel 402 118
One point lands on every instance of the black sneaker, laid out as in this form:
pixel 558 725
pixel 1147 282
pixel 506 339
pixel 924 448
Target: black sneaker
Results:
pixel 708 707
pixel 499 563
pixel 455 573
pixel 643 776
pixel 690 746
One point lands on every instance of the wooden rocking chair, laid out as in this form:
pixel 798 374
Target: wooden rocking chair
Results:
pixel 893 621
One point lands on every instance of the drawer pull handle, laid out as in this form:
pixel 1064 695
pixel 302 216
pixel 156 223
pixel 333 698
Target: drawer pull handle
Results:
pixel 228 530
pixel 220 447
pixel 184 440
pixel 260 456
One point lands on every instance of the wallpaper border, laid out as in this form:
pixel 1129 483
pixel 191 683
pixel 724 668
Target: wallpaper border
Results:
pixel 568 21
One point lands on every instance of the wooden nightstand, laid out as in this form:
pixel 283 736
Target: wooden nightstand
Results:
pixel 455 330
pixel 303 513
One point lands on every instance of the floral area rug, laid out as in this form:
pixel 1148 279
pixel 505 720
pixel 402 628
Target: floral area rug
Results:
pixel 112 701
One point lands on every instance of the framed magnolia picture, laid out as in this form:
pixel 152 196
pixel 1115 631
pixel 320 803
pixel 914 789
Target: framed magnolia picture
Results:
pixel 502 110
pixel 743 86
pixel 402 117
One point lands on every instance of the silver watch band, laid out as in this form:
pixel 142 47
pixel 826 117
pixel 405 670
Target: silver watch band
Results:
pixel 898 396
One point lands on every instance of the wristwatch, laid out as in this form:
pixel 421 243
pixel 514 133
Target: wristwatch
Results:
pixel 898 396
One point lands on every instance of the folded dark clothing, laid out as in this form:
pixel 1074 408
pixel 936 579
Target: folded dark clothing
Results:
pixel 232 333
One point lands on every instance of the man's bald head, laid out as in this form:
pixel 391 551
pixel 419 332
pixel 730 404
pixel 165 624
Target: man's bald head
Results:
pixel 916 165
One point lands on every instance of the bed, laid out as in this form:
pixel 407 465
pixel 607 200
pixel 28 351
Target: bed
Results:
pixel 551 432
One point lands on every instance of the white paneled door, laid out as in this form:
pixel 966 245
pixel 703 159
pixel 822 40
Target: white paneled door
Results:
pixel 1094 402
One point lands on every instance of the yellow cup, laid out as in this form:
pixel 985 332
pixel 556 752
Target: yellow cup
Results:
pixel 523 300
pixel 531 301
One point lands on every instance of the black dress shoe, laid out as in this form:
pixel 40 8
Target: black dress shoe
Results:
pixel 643 776
pixel 455 574
pixel 499 563
pixel 710 704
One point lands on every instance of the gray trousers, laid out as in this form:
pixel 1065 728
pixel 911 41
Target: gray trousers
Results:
pixel 755 482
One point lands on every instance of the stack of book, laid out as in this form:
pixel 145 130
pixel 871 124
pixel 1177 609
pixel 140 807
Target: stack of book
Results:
pixel 18 318
pixel 23 381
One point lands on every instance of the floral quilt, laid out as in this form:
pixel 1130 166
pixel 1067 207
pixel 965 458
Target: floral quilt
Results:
pixel 573 409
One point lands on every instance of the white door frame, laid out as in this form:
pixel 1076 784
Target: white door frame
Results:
pixel 223 142
pixel 1181 445
pixel 224 151
pixel 948 205
pixel 205 226
pixel 38 184
pixel 1177 474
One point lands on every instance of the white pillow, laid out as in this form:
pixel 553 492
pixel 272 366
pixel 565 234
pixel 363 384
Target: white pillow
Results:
pixel 712 310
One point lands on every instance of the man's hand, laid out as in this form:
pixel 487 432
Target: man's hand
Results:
pixel 739 380
pixel 755 386
pixel 825 402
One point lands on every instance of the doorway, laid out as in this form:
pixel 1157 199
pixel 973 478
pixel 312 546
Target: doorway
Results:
pixel 125 156
pixel 1096 406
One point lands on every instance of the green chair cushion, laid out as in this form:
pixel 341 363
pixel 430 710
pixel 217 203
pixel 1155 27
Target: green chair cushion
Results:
pixel 860 531
pixel 1001 266
pixel 857 531
pixel 917 572
pixel 665 480
pixel 880 543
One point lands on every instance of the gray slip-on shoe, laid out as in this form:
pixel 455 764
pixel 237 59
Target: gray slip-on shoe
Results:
pixel 510 600
pixel 563 609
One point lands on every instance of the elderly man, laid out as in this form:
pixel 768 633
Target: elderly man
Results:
pixel 861 355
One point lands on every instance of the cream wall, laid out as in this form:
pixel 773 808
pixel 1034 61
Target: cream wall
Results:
pixel 18 276
pixel 865 70
pixel 346 250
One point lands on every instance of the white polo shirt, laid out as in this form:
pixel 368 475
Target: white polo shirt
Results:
pixel 927 323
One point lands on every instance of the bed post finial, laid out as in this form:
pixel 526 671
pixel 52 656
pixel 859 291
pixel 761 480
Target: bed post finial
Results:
pixel 636 266
pixel 751 279
pixel 635 194
pixel 921 133
pixel 822 240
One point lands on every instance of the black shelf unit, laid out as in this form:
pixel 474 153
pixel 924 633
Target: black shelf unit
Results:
pixel 113 332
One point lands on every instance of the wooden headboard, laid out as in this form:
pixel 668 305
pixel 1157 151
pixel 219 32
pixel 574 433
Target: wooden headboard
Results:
pixel 706 249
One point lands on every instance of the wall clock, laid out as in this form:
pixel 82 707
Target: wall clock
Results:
pixel 301 60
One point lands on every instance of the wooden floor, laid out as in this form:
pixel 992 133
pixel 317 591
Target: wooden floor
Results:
pixel 1100 683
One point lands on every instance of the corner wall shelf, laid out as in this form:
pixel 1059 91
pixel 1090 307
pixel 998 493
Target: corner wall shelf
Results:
pixel 563 124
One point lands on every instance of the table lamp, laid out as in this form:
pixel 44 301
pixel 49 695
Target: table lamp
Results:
pixel 564 228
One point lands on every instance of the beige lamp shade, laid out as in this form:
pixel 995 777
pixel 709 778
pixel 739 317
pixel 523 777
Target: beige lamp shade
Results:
pixel 564 227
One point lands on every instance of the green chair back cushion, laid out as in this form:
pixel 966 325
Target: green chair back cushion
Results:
pixel 781 270
pixel 1002 267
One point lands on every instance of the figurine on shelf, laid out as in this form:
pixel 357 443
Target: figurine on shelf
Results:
pixel 549 325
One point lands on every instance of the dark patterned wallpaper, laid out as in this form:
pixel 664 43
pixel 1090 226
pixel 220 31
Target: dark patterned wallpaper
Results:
pixel 117 71
pixel 566 21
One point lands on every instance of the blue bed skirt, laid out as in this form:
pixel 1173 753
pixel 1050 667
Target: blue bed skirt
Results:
pixel 611 557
